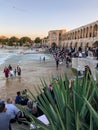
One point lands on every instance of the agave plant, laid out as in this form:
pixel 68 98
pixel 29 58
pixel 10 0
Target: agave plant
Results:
pixel 72 108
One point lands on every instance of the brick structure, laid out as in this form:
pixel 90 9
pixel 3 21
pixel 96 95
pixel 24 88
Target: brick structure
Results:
pixel 54 36
pixel 83 36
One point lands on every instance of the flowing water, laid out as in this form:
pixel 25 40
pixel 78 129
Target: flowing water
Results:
pixel 18 56
pixel 15 57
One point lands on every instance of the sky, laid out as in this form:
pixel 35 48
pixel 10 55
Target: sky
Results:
pixel 35 18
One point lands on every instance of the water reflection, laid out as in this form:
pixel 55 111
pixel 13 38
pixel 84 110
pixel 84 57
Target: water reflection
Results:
pixel 19 79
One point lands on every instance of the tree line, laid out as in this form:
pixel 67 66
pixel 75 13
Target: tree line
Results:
pixel 14 41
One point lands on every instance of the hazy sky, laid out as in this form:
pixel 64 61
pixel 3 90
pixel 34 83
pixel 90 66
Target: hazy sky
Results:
pixel 36 17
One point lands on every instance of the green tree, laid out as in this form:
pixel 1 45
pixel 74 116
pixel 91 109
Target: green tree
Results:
pixel 12 41
pixel 37 40
pixel 4 41
pixel 24 40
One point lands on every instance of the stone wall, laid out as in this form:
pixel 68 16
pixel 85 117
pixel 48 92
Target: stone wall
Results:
pixel 82 62
pixel 83 36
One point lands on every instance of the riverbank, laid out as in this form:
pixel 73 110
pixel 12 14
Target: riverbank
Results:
pixel 32 72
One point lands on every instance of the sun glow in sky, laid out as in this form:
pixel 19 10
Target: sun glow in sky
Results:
pixel 35 18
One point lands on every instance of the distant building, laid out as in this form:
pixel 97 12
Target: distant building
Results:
pixel 54 36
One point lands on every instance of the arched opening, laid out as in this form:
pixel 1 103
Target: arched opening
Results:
pixel 76 46
pixel 84 33
pixel 78 34
pixel 80 47
pixel 53 45
pixel 90 31
pixel 71 44
pixel 87 32
pixel 64 44
pixel 81 33
pixel 75 35
pixel 95 29
pixel 67 44
pixel 87 44
pixel 95 44
pixel 81 44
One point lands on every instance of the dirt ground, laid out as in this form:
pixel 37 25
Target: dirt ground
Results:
pixel 32 72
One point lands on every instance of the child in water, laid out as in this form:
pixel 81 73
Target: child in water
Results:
pixel 15 72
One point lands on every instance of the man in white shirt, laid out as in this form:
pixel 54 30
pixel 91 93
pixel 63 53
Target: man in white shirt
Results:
pixel 12 110
pixel 80 55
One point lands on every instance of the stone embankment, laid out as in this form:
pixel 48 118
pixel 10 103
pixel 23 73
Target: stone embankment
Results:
pixel 82 62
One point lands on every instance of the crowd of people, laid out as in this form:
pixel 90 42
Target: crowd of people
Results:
pixel 66 54
pixel 10 113
pixel 10 72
